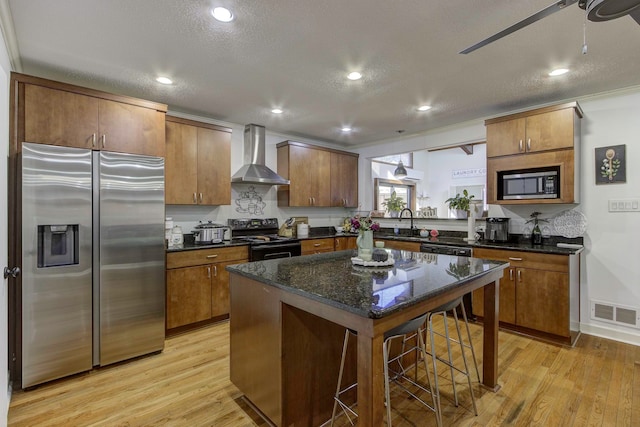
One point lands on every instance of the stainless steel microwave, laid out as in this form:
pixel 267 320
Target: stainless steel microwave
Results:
pixel 529 184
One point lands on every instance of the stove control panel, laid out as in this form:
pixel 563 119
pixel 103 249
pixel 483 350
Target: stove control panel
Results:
pixel 252 223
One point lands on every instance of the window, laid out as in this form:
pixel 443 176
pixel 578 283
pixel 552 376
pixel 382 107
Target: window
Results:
pixel 383 189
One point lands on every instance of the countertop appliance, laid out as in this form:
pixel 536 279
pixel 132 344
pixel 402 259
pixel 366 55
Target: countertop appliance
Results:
pixel 496 229
pixel 93 249
pixel 263 239
pixel 209 232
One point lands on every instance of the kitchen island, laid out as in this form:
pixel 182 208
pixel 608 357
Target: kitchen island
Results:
pixel 288 318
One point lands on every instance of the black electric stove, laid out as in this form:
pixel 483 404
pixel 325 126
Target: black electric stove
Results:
pixel 263 239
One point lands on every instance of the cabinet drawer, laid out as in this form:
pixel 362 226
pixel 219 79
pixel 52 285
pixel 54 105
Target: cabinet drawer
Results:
pixel 206 256
pixel 400 245
pixel 317 245
pixel 538 261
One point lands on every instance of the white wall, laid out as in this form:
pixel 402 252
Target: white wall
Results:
pixel 5 72
pixel 612 239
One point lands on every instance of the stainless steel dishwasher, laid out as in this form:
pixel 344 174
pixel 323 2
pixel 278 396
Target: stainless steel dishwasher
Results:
pixel 451 249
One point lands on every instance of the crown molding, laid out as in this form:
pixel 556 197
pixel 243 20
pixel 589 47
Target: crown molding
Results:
pixel 9 35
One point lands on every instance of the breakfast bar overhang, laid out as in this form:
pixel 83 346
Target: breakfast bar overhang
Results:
pixel 288 318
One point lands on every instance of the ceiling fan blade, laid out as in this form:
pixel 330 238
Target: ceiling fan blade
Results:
pixel 561 4
pixel 635 14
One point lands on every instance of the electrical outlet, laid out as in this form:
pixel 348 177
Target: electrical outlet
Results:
pixel 624 205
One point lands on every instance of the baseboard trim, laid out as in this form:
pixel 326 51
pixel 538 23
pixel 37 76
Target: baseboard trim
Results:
pixel 613 334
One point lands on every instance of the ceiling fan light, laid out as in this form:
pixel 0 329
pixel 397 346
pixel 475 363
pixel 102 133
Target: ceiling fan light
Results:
pixel 605 10
pixel 400 171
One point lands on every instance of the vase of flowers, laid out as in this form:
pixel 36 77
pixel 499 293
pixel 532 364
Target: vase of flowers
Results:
pixel 364 226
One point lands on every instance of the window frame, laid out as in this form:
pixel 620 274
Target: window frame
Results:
pixel 411 188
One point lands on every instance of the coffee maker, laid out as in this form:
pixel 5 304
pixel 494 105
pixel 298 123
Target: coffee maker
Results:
pixel 497 229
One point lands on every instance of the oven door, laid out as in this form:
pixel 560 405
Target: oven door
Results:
pixel 275 250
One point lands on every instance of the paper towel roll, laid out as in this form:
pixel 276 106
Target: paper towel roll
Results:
pixel 471 229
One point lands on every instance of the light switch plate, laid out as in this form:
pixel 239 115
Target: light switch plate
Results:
pixel 624 205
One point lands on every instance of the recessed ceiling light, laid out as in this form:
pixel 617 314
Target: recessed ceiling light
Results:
pixel 354 76
pixel 164 80
pixel 346 129
pixel 424 107
pixel 222 14
pixel 277 111
pixel 558 72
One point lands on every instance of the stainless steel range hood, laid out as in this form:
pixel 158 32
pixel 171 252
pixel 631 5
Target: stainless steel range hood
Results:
pixel 254 170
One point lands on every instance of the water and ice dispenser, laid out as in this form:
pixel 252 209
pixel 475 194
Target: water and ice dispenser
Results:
pixel 57 245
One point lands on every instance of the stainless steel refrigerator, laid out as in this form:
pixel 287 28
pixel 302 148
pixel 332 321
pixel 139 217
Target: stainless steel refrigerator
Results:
pixel 93 251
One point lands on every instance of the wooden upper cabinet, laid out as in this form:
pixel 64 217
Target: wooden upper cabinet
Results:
pixel 549 128
pixel 344 180
pixel 127 128
pixel 50 112
pixel 506 138
pixel 214 167
pixel 180 167
pixel 311 170
pixel 197 164
pixel 59 117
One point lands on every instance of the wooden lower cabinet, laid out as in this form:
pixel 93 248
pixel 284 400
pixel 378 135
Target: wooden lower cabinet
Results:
pixel 400 245
pixel 198 285
pixel 188 295
pixel 344 243
pixel 317 246
pixel 534 293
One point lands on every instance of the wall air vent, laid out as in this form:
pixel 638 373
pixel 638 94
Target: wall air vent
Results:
pixel 614 313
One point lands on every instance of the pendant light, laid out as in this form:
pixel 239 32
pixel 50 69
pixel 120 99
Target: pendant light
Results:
pixel 400 171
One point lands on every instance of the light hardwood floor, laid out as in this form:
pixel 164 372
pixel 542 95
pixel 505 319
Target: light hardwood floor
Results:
pixel 596 383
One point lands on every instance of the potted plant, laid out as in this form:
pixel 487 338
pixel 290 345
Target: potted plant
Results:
pixel 460 204
pixel 394 205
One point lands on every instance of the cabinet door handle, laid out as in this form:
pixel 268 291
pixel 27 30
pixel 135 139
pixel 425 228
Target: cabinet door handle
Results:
pixel 310 201
pixel 93 140
pixel 520 276
pixel 529 144
pixel 212 256
pixel 215 270
pixel 209 272
pixel 104 140
pixel 314 201
pixel 511 274
pixel 521 146
pixel 195 200
pixel 201 198
pixel 515 259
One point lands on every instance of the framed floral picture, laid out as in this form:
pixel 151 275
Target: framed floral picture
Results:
pixel 611 165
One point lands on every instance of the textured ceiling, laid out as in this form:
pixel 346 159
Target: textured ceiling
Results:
pixel 295 54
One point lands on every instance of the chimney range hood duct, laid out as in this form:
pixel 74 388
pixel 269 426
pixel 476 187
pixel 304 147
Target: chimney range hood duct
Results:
pixel 254 170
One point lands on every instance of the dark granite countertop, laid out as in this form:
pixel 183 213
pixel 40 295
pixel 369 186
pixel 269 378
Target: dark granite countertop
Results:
pixel 193 246
pixel 372 292
pixel 456 238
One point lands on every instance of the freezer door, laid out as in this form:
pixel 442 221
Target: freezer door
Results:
pixel 131 257
pixel 56 262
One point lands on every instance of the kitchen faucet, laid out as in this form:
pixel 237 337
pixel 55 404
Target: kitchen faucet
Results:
pixel 411 231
